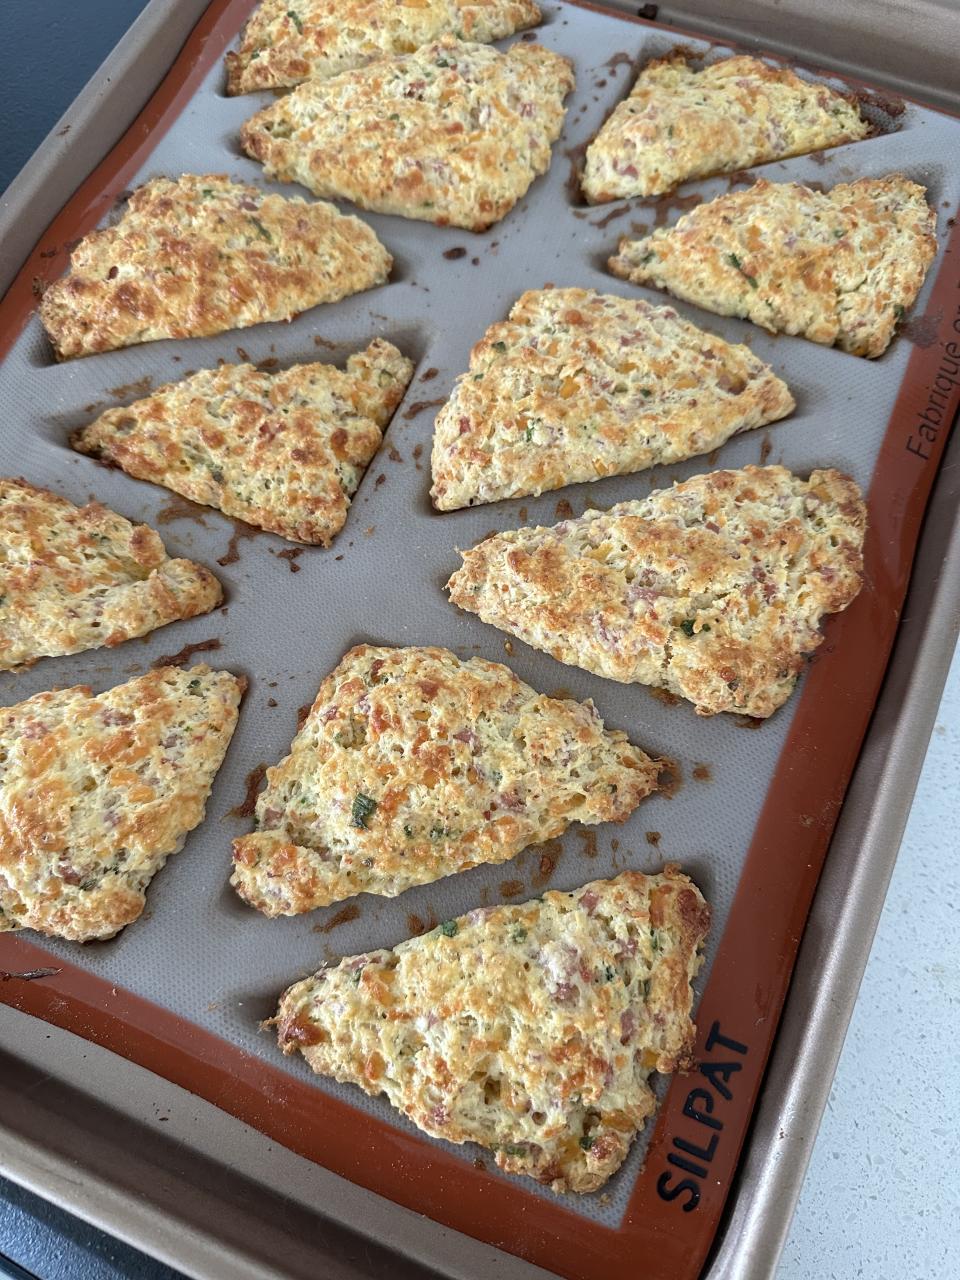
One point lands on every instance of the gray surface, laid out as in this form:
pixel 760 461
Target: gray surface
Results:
pixel 615 228
pixel 874 1202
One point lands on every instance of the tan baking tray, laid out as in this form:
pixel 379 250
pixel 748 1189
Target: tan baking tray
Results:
pixel 789 778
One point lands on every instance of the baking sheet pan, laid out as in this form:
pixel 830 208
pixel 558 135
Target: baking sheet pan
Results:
pixel 285 630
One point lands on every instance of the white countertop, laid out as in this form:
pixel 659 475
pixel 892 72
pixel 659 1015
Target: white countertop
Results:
pixel 881 1197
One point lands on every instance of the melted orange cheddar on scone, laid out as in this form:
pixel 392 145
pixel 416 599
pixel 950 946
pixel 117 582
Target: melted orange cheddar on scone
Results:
pixel 576 385
pixel 199 255
pixel 713 589
pixel 413 765
pixel 838 267
pixel 454 133
pixel 680 123
pixel 97 790
pixel 286 41
pixel 75 578
pixel 283 451
pixel 530 1029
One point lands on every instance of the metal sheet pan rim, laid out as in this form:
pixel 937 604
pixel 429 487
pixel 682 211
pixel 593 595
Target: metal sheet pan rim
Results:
pixel 923 707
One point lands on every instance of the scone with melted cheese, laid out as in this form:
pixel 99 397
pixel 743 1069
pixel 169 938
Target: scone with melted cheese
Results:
pixel 838 267
pixel 679 123
pixel 97 790
pixel 454 133
pixel 74 578
pixel 577 384
pixel 286 41
pixel 199 255
pixel 413 765
pixel 530 1029
pixel 713 589
pixel 284 451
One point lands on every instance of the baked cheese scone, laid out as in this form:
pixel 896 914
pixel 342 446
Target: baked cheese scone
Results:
pixel 199 255
pixel 576 385
pixel 74 578
pixel 454 133
pixel 679 123
pixel 97 790
pixel 284 451
pixel 286 41
pixel 713 589
pixel 413 765
pixel 530 1029
pixel 838 267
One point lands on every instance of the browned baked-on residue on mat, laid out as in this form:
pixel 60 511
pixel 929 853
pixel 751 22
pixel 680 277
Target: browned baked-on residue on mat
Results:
pixel 654 837
pixel 670 777
pixel 418 407
pixel 291 555
pixel 248 805
pixel 183 656
pixel 550 854
pixel 702 773
pixel 589 839
pixel 182 509
pixel 511 888
pixel 240 530
pixel 344 916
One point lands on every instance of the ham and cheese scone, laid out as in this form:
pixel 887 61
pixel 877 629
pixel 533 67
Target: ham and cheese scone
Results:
pixel 530 1029
pixel 838 267
pixel 713 589
pixel 284 452
pixel 199 255
pixel 679 123
pixel 413 765
pixel 286 41
pixel 97 790
pixel 575 385
pixel 75 578
pixel 453 134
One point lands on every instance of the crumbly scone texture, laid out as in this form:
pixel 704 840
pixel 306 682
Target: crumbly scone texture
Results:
pixel 576 385
pixel 713 589
pixel 286 41
pixel 838 267
pixel 75 578
pixel 201 254
pixel 680 123
pixel 283 451
pixel 413 765
pixel 530 1029
pixel 97 790
pixel 454 133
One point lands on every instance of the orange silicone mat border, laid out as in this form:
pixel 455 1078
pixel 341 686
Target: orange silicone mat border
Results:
pixel 672 1216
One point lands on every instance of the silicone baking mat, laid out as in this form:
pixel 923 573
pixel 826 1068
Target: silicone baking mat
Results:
pixel 753 806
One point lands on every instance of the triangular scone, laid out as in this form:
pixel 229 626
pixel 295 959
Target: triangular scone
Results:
pixel 530 1029
pixel 413 765
pixel 200 255
pixel 286 41
pixel 74 578
pixel 576 385
pixel 97 790
pixel 283 451
pixel 454 133
pixel 838 267
pixel 713 590
pixel 679 123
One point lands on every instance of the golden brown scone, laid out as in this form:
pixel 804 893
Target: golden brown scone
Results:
pixel 413 765
pixel 838 267
pixel 74 578
pixel 454 133
pixel 283 451
pixel 96 791
pixel 286 41
pixel 713 590
pixel 679 123
pixel 577 384
pixel 200 255
pixel 530 1029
